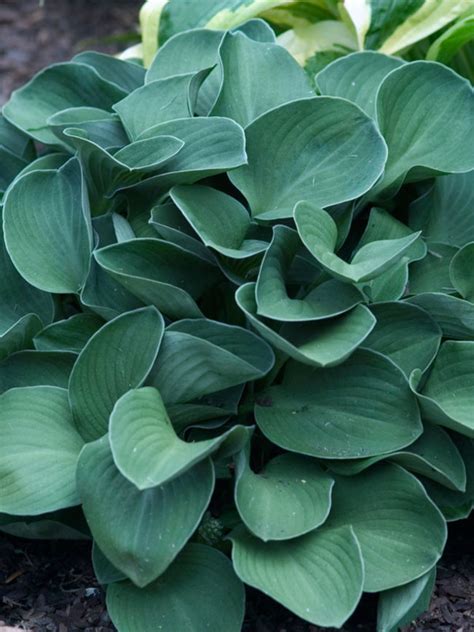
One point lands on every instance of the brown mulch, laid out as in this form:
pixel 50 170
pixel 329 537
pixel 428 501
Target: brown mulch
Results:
pixel 50 587
pixel 33 36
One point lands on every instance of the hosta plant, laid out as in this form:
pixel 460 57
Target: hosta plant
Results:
pixel 237 326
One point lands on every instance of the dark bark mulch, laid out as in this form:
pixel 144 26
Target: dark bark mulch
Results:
pixel 34 36
pixel 50 587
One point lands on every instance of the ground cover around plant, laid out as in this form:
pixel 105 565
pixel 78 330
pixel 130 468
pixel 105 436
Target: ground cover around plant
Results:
pixel 51 587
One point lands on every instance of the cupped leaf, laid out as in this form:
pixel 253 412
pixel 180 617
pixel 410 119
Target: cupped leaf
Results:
pixel 289 498
pixel 405 334
pixel 47 229
pixel 318 576
pixel 328 299
pixel 318 231
pixel 160 273
pixel 447 397
pixel 145 446
pixel 99 126
pixel 198 591
pixel 36 368
pixel 71 334
pixel 190 52
pixel 325 343
pixel 461 272
pixel 452 314
pixel 171 98
pixel 57 88
pixel 220 220
pixel 392 284
pixel 400 606
pixel 321 149
pixel 383 505
pixel 433 455
pixel 101 375
pixel 200 356
pixel 333 413
pixel 357 77
pixel 38 452
pixel 422 99
pixel 140 532
pixel 106 172
pixel 186 52
pixel 443 213
pixel 170 224
pixel 124 74
pixel 211 145
pixel 248 87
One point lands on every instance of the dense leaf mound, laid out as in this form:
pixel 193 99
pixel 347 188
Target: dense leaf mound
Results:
pixel 237 321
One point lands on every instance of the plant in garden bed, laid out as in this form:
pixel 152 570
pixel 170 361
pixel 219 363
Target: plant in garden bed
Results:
pixel 238 326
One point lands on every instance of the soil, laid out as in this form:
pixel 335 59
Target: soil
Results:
pixel 33 36
pixel 50 586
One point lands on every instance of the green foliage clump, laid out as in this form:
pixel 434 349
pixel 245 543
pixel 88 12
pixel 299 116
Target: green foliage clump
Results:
pixel 237 326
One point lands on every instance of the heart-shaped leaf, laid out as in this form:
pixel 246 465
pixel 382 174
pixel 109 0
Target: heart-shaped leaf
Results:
pixel 47 228
pixel 332 413
pixel 100 376
pixel 357 77
pixel 318 232
pixel 248 69
pixel 405 334
pixel 289 498
pixel 318 576
pixel 319 164
pixel 383 505
pixel 429 143
pixel 202 356
pixel 140 532
pixel 199 590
